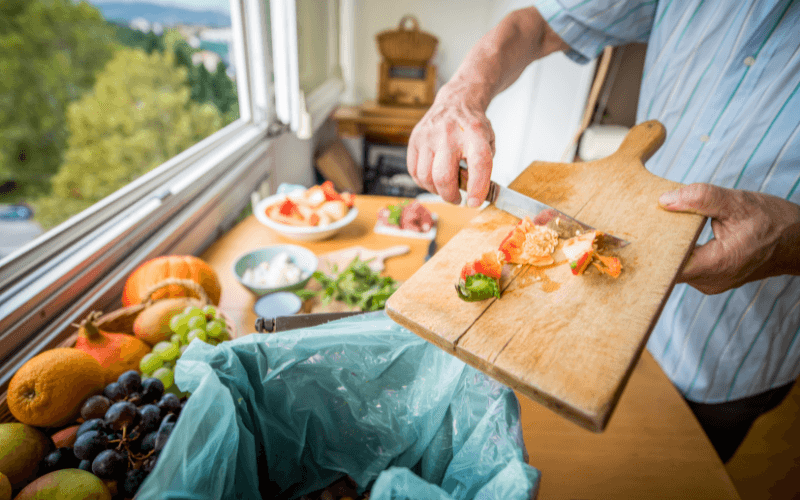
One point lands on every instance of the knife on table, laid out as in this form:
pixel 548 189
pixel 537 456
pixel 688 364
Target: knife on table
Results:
pixel 293 322
pixel 520 206
pixel 431 249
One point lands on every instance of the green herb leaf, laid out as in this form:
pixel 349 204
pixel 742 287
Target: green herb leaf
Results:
pixel 356 285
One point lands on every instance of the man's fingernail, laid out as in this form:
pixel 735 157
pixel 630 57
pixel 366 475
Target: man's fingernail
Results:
pixel 668 198
pixel 473 202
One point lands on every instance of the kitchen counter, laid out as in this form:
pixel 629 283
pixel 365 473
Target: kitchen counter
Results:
pixel 652 447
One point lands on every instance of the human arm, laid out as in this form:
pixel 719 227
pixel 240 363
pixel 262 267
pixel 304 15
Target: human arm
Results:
pixel 756 236
pixel 456 127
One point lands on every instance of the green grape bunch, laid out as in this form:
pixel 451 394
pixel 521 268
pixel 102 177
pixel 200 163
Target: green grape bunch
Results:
pixel 201 323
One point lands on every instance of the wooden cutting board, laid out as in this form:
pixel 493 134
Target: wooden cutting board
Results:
pixel 376 258
pixel 565 341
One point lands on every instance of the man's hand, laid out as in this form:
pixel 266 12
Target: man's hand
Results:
pixel 756 236
pixel 454 128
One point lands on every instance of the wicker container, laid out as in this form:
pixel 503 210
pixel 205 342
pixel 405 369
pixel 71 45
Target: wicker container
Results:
pixel 117 321
pixel 410 47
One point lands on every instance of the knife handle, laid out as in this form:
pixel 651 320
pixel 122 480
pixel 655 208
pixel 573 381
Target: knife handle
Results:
pixel 463 177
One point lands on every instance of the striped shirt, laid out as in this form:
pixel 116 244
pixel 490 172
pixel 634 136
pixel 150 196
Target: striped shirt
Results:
pixel 723 76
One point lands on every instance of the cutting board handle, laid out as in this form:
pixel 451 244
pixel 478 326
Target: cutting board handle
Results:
pixel 642 141
pixel 388 252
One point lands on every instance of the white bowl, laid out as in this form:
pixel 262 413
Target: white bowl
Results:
pixel 301 233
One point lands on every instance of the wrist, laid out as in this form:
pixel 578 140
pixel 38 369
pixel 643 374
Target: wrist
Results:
pixel 488 70
pixel 787 252
pixel 785 258
pixel 472 91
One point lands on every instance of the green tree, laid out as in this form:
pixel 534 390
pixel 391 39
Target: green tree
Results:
pixel 223 89
pixel 183 54
pixel 154 42
pixel 201 84
pixel 50 51
pixel 139 115
pixel 173 37
pixel 130 37
pixel 216 87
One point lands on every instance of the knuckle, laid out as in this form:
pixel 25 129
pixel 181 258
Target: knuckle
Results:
pixel 490 133
pixel 484 151
pixel 481 155
pixel 700 195
pixel 476 125
pixel 442 177
pixel 697 190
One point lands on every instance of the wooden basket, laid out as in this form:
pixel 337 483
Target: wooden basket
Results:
pixel 407 46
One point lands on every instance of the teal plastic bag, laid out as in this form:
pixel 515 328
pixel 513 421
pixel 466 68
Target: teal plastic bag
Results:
pixel 287 414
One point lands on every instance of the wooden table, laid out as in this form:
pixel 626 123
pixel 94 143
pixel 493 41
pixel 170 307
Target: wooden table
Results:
pixel 652 448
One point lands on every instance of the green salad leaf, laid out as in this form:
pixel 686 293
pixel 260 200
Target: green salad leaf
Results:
pixel 356 285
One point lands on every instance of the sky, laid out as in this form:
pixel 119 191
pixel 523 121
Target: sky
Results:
pixel 215 5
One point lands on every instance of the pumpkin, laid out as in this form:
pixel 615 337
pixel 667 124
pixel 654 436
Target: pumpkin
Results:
pixel 172 276
pixel 116 352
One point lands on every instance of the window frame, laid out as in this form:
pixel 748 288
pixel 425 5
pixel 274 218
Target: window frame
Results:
pixel 306 113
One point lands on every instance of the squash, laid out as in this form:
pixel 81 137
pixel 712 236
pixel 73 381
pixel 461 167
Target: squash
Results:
pixel 116 352
pixel 152 324
pixel 171 276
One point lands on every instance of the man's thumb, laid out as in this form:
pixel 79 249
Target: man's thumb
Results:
pixel 702 199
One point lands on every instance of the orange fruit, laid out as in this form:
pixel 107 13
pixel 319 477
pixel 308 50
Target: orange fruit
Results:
pixel 50 388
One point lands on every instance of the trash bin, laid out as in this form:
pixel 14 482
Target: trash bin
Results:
pixel 283 415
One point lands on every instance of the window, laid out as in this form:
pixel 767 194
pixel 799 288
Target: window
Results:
pixel 98 94
pixel 181 197
pixel 310 49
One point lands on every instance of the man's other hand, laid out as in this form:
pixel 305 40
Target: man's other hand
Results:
pixel 755 236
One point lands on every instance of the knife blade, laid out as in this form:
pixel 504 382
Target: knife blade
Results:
pixel 520 206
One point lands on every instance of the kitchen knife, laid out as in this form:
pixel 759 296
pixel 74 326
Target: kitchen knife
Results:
pixel 283 323
pixel 520 206
pixel 431 249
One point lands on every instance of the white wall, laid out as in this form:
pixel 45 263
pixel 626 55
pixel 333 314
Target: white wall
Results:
pixel 457 25
pixel 296 160
pixel 527 127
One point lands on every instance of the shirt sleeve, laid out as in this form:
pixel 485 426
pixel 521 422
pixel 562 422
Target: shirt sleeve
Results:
pixel 589 26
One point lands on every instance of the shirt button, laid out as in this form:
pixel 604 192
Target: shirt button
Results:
pixel 704 138
pixel 749 61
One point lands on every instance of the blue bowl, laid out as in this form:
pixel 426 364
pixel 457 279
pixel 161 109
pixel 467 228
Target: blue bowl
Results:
pixel 301 257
